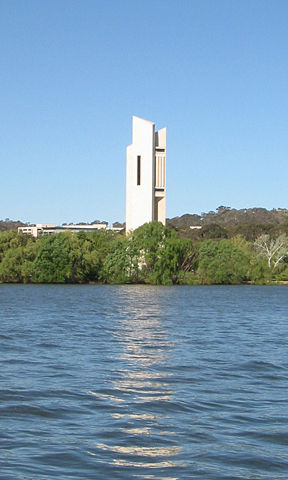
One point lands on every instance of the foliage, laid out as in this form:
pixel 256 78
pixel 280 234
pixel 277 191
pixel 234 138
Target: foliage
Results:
pixel 17 253
pixel 153 254
pixel 71 258
pixel 213 230
pixel 52 263
pixel 163 256
pixel 8 224
pixel 122 263
pixel 222 263
pixel 226 216
pixel 274 250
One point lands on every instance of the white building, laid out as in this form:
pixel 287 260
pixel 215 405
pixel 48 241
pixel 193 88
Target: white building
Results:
pixel 51 228
pixel 145 175
pixel 37 229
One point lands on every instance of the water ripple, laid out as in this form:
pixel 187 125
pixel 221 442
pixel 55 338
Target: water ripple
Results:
pixel 143 382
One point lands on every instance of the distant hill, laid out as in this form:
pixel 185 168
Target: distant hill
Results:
pixel 226 216
pixel 8 224
pixel 223 216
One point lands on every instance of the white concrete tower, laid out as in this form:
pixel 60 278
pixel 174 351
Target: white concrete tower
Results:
pixel 145 175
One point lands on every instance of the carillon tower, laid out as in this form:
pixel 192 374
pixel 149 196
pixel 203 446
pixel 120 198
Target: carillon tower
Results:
pixel 145 175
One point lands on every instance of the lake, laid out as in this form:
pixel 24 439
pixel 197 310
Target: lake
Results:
pixel 143 382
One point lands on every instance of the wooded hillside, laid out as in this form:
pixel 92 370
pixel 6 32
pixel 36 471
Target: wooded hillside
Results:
pixel 227 216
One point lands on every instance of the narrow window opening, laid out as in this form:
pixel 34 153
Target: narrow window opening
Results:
pixel 138 170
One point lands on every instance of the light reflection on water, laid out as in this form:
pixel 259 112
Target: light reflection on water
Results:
pixel 145 349
pixel 104 382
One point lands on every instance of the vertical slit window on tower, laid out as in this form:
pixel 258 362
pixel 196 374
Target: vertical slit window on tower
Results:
pixel 138 170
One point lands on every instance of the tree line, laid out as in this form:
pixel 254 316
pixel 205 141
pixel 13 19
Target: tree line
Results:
pixel 152 254
pixel 229 217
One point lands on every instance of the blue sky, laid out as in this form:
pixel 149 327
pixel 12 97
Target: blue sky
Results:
pixel 73 72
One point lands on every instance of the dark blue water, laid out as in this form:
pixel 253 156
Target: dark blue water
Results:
pixel 120 382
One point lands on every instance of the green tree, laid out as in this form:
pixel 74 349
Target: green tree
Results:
pixel 121 265
pixel 71 258
pixel 221 263
pixel 213 230
pixel 163 257
pixel 52 263
pixel 17 253
pixel 87 253
pixel 16 265
pixel 151 254
pixel 175 259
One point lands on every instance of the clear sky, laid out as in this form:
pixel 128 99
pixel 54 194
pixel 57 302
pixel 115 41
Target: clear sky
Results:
pixel 73 72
